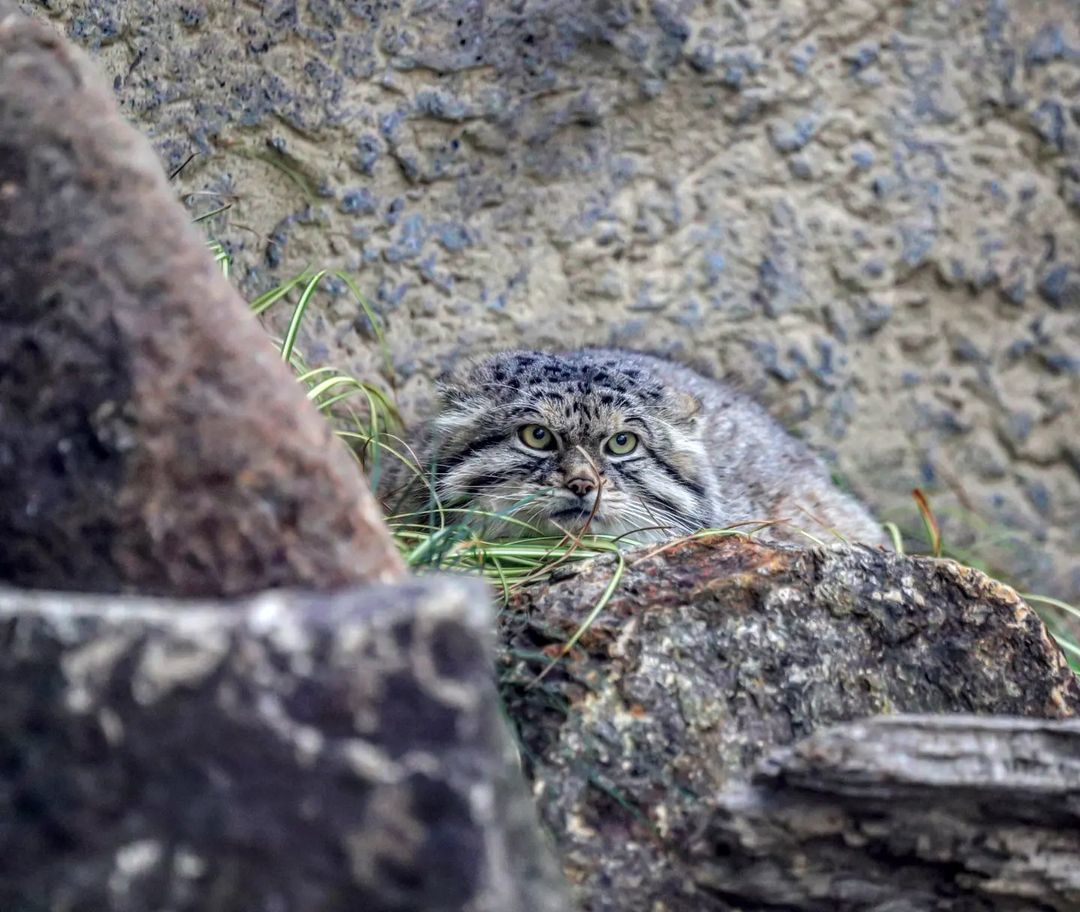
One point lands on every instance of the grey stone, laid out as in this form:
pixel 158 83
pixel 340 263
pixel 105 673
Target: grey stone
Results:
pixel 292 752
pixel 152 437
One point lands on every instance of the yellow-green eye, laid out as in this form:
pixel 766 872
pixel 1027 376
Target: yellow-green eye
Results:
pixel 622 444
pixel 537 437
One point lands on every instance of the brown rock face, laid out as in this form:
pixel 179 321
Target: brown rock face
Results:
pixel 713 653
pixel 150 438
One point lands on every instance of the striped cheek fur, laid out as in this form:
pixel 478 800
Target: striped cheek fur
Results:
pixel 572 478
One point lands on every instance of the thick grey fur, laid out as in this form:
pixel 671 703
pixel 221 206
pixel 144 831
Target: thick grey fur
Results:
pixel 708 456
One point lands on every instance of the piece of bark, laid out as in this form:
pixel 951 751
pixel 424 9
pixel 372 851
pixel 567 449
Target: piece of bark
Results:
pixel 150 437
pixel 296 752
pixel 713 653
pixel 913 813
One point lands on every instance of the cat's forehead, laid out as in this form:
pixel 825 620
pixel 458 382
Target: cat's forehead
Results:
pixel 579 415
pixel 599 382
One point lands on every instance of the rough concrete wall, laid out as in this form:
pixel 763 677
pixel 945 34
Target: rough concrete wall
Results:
pixel 865 209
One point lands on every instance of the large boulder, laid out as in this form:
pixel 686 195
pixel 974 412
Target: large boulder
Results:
pixel 151 438
pixel 712 654
pixel 866 209
pixel 294 752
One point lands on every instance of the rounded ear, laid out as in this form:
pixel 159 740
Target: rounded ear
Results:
pixel 686 406
pixel 455 384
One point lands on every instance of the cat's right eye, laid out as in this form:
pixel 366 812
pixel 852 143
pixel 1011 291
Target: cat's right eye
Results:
pixel 536 437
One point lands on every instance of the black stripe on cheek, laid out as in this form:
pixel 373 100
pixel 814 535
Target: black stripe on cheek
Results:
pixel 649 496
pixel 476 484
pixel 664 503
pixel 673 474
pixel 447 463
pixel 622 470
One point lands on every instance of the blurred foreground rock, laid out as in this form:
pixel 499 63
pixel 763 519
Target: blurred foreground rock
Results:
pixel 291 754
pixel 150 437
pixel 711 655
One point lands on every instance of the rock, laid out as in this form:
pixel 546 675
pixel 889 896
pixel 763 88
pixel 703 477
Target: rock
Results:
pixel 712 654
pixel 617 168
pixel 292 752
pixel 911 812
pixel 150 436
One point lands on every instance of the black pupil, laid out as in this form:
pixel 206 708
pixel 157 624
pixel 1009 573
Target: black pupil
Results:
pixel 620 439
pixel 539 433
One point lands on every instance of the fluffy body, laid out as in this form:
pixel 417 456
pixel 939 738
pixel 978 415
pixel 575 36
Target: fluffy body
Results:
pixel 703 455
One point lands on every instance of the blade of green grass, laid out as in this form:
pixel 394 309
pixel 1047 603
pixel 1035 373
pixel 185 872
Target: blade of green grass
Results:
pixel 298 314
pixel 601 603
pixel 269 298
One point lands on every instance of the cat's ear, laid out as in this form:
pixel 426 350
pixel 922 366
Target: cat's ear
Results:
pixel 455 385
pixel 686 407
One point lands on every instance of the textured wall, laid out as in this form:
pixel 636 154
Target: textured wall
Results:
pixel 866 210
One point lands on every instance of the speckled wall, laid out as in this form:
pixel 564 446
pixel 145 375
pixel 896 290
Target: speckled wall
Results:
pixel 867 211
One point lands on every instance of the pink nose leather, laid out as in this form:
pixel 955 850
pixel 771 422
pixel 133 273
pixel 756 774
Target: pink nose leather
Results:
pixel 581 486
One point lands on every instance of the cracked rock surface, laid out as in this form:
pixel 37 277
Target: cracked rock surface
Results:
pixel 713 654
pixel 912 812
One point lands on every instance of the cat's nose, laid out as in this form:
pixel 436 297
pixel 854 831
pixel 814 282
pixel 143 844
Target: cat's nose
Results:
pixel 581 485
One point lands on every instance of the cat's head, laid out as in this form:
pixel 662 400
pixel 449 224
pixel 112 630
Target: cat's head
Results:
pixel 562 442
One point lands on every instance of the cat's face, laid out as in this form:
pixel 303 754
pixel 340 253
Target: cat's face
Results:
pixel 568 442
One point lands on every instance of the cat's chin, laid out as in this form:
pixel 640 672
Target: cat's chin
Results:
pixel 581 522
pixel 560 517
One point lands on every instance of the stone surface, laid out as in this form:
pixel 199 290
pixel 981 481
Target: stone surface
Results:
pixel 294 752
pixel 866 209
pixel 919 813
pixel 150 436
pixel 713 653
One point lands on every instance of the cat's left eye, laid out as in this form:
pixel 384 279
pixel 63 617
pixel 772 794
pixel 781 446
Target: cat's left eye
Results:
pixel 622 444
pixel 537 437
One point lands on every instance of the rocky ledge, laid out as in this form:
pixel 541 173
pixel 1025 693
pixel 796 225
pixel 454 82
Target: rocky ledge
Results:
pixel 714 653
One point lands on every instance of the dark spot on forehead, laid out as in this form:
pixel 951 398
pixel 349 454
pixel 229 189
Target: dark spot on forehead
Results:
pixel 607 398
